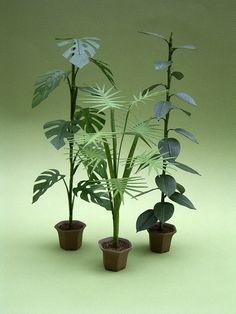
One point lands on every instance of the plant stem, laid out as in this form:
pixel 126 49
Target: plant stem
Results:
pixel 166 121
pixel 73 97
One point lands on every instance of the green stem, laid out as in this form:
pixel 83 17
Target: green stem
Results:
pixel 114 142
pixel 123 135
pixel 115 217
pixel 129 162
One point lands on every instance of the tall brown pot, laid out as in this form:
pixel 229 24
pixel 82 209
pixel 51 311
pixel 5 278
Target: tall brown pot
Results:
pixel 160 240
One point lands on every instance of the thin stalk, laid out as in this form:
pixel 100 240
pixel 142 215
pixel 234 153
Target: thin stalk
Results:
pixel 129 162
pixel 122 138
pixel 114 142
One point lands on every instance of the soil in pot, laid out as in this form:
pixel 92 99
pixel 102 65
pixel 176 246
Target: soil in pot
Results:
pixel 115 259
pixel 70 238
pixel 160 240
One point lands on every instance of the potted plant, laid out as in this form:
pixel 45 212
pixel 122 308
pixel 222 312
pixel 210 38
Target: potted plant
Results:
pixel 79 53
pixel 154 220
pixel 110 166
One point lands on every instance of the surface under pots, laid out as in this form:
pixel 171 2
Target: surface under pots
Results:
pixel 70 238
pixel 115 259
pixel 160 240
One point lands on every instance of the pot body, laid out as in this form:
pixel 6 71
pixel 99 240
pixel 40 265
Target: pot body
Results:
pixel 160 242
pixel 114 259
pixel 70 239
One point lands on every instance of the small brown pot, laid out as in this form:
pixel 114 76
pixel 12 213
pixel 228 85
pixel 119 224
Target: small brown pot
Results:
pixel 70 239
pixel 160 241
pixel 115 259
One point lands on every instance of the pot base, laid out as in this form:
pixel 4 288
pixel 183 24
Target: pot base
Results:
pixel 115 259
pixel 70 239
pixel 160 241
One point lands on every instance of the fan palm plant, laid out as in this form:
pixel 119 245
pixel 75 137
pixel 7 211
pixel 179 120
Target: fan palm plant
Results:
pixel 108 163
pixel 79 53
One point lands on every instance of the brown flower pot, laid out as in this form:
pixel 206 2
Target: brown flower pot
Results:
pixel 160 241
pixel 115 259
pixel 70 239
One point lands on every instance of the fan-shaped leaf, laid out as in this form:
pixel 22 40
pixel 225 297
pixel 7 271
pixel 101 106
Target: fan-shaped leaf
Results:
pixel 184 167
pixel 59 130
pixel 177 75
pixel 163 211
pixel 81 50
pixel 46 83
pixel 162 108
pixel 169 148
pixel 166 184
pixel 146 220
pixel 160 65
pixel 90 119
pixel 94 192
pixel 44 181
pixel 181 200
pixel 187 134
pixel 185 97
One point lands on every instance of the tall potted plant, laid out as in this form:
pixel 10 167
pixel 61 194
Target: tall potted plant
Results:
pixel 79 53
pixel 154 220
pixel 110 166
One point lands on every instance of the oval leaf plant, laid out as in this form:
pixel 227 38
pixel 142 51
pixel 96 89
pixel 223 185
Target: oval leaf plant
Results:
pixel 181 200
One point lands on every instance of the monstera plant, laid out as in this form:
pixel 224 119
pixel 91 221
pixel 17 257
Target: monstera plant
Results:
pixel 110 157
pixel 154 220
pixel 79 53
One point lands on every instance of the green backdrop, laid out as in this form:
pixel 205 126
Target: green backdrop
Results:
pixel 198 275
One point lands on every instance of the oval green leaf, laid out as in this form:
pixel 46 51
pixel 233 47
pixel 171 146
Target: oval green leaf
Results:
pixel 166 184
pixel 160 65
pixel 162 108
pixel 146 220
pixel 169 148
pixel 187 134
pixel 163 211
pixel 181 200
pixel 177 75
pixel 186 97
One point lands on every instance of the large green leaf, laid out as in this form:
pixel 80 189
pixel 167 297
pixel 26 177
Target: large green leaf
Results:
pixel 46 83
pixel 146 220
pixel 105 69
pixel 186 97
pixel 163 211
pixel 187 134
pixel 185 47
pixel 169 148
pixel 162 108
pixel 166 184
pixel 44 181
pixel 181 200
pixel 59 130
pixel 81 50
pixel 90 119
pixel 94 192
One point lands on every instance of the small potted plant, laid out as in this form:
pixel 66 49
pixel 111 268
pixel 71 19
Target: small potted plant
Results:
pixel 110 166
pixel 154 220
pixel 79 53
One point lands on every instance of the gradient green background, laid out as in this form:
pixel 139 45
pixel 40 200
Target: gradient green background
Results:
pixel 198 275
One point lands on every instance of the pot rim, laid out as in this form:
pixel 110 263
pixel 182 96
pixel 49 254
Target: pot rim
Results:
pixel 101 241
pixel 57 226
pixel 167 224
